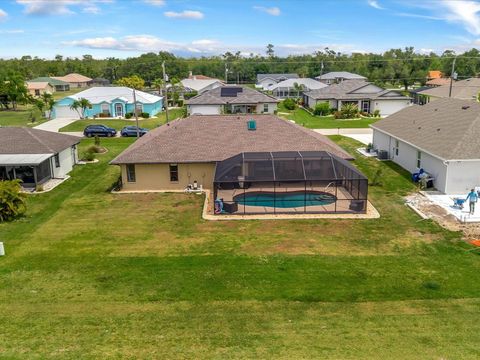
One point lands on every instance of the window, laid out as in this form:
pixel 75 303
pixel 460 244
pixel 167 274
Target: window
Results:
pixel 139 108
pixel 397 145
pixel 131 173
pixel 37 92
pixel 173 172
pixel 106 109
pixel 419 159
pixel 265 108
pixel 57 161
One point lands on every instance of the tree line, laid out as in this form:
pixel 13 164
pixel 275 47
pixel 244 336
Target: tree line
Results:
pixel 401 67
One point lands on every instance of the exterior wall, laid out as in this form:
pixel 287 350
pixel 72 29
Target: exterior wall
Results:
pixel 462 176
pixel 157 176
pixel 407 158
pixel 49 89
pixel 388 107
pixel 204 109
pixel 78 84
pixel 271 108
pixel 210 87
pixel 68 159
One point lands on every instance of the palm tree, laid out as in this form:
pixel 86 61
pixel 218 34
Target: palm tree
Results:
pixel 298 88
pixel 76 106
pixel 158 84
pixel 81 106
pixel 84 105
pixel 48 101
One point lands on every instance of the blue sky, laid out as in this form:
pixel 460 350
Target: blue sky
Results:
pixel 124 28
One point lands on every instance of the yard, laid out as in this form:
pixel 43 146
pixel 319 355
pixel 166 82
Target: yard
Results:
pixel 119 124
pixel 90 274
pixel 302 117
pixel 21 117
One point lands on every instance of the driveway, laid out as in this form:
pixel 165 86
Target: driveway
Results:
pixel 55 124
pixel 364 135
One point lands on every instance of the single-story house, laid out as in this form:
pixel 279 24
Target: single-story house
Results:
pixel 438 82
pixel 75 80
pixel 467 89
pixel 336 77
pixel 286 89
pixel 58 84
pixel 417 97
pixel 231 100
pixel 36 156
pixel 99 82
pixel 441 137
pixel 39 88
pixel 264 81
pixel 235 155
pixel 109 102
pixel 367 96
pixel 200 83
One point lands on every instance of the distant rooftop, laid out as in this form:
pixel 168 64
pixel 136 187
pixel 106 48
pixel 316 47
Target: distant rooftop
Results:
pixel 231 95
pixel 340 75
pixel 276 77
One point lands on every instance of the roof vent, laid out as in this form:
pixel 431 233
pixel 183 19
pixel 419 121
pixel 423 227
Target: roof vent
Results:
pixel 251 125
pixel 465 107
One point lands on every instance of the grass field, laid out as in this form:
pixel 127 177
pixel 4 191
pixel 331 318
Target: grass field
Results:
pixel 119 124
pixel 21 117
pixel 303 118
pixel 89 274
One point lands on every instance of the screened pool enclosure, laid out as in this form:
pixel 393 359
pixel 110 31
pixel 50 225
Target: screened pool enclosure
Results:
pixel 288 182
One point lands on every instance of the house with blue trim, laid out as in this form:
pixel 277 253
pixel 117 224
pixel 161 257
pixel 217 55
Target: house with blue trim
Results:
pixel 109 102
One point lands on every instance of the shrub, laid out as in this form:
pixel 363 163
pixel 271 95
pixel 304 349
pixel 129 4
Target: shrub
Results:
pixel 189 95
pixel 39 188
pixel 376 113
pixel 145 115
pixel 322 109
pixel 289 104
pixel 349 111
pixel 88 156
pixel 96 149
pixel 128 115
pixel 12 200
pixel 180 103
pixel 338 115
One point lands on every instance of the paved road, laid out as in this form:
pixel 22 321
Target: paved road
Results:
pixel 55 124
pixel 364 135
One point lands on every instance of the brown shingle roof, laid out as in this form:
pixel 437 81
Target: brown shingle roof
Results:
pixel 16 140
pixel 246 96
pixel 446 128
pixel 438 82
pixel 73 78
pixel 210 138
pixel 467 89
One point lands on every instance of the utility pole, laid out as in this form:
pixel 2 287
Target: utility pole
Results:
pixel 321 69
pixel 135 111
pixel 452 76
pixel 166 90
pixel 226 74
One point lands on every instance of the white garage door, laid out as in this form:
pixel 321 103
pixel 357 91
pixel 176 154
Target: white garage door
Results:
pixel 62 112
pixel 388 107
pixel 205 109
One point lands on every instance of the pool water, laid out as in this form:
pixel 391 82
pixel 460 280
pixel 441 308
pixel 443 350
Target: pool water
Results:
pixel 285 200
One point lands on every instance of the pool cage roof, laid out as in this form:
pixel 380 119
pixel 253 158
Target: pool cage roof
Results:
pixel 285 166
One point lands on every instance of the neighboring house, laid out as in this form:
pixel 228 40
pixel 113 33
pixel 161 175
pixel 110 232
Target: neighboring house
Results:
pixel 264 81
pixel 418 98
pixel 336 77
pixel 231 100
pixel 467 89
pixel 199 77
pixel 109 102
pixel 176 154
pixel 36 156
pixel 367 96
pixel 58 84
pixel 286 89
pixel 200 83
pixel 39 88
pixel 442 137
pixel 99 82
pixel 75 80
pixel 438 82
pixel 434 74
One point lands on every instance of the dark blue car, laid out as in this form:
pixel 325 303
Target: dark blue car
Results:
pixel 132 131
pixel 99 130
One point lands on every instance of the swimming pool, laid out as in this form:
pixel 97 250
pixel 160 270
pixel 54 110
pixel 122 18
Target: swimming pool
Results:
pixel 285 200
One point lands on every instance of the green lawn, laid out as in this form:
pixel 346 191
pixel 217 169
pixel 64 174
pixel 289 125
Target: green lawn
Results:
pixel 21 117
pixel 303 118
pixel 57 95
pixel 89 274
pixel 119 124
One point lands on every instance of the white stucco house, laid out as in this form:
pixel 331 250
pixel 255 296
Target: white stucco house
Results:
pixel 36 156
pixel 264 81
pixel 367 96
pixel 335 77
pixel 442 137
pixel 231 100
pixel 286 89
pixel 200 83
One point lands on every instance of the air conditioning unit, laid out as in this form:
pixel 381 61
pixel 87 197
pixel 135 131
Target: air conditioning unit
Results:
pixel 382 155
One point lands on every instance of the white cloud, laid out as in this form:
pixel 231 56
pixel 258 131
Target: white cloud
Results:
pixel 60 7
pixel 3 15
pixel 274 11
pixel 374 4
pixel 14 31
pixel 186 14
pixel 155 2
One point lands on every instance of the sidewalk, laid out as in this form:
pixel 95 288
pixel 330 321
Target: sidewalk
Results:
pixel 364 135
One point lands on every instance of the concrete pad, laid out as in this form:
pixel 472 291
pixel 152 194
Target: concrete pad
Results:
pixel 446 202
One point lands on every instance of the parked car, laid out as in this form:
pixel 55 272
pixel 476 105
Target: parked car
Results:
pixel 99 130
pixel 132 131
